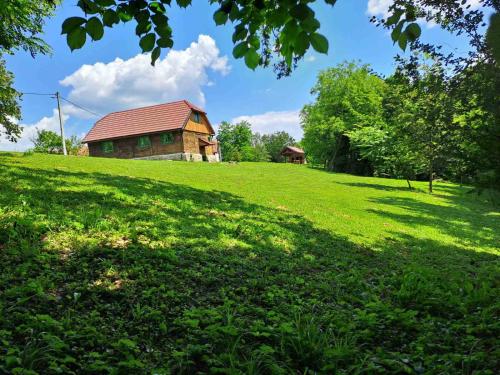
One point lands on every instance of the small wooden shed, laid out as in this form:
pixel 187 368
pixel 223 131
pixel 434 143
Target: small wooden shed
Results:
pixel 294 155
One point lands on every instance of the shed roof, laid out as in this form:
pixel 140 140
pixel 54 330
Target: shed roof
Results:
pixel 152 119
pixel 292 149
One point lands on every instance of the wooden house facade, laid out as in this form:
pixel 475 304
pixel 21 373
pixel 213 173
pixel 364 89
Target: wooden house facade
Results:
pixel 171 131
pixel 294 155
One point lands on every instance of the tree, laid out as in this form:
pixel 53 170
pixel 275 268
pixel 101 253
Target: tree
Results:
pixel 348 97
pixel 235 141
pixel 259 151
pixel 20 23
pixel 476 94
pixel 273 31
pixel 275 143
pixel 423 121
pixel 387 154
pixel 49 142
pixel 10 112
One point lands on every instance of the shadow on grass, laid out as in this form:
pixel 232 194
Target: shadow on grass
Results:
pixel 102 273
pixel 461 217
pixel 464 221
pixel 382 187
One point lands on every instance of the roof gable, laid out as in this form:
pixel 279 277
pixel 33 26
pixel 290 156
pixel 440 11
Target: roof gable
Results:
pixel 292 149
pixel 152 119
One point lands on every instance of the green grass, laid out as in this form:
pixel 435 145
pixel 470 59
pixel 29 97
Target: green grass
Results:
pixel 119 266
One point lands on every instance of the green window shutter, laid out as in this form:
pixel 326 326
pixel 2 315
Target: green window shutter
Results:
pixel 144 142
pixel 107 147
pixel 167 138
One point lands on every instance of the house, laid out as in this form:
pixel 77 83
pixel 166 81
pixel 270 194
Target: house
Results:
pixel 171 131
pixel 293 155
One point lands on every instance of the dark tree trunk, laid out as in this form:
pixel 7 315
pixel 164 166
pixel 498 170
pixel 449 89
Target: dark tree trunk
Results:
pixel 409 185
pixel 430 178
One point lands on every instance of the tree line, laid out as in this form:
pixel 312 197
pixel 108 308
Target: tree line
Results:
pixel 237 142
pixel 422 122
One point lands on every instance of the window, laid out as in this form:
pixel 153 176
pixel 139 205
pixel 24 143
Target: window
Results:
pixel 167 138
pixel 144 142
pixel 107 147
pixel 196 117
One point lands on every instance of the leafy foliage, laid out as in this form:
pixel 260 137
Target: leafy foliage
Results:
pixel 235 141
pixel 238 143
pixel 348 97
pixel 288 27
pixel 49 142
pixel 422 122
pixel 10 112
pixel 113 266
pixel 21 22
pixel 275 143
pixel 282 31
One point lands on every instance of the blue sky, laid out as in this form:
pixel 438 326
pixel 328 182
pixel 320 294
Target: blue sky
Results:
pixel 200 68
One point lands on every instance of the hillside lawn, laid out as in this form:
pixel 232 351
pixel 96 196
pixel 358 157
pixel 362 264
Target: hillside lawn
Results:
pixel 132 267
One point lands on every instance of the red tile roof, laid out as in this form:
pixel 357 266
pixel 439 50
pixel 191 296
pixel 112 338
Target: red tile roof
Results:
pixel 152 119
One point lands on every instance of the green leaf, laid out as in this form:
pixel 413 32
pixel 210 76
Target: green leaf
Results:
pixel 301 43
pixel 142 16
pixel 413 31
pixel 319 43
pixel 72 23
pixel 94 28
pixel 310 24
pixel 110 17
pixel 143 28
pixel 239 34
pixel 403 41
pixel 157 7
pixel 301 12
pixel 164 31
pixel 183 3
pixel 252 58
pixel 165 42
pixel 234 13
pixel 254 41
pixel 159 19
pixel 76 38
pixel 240 50
pixel 147 42
pixel 105 3
pixel 397 31
pixel 124 13
pixel 394 18
pixel 88 6
pixel 155 55
pixel 220 17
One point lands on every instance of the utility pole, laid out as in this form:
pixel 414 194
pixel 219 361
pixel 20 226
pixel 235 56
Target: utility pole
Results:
pixel 61 124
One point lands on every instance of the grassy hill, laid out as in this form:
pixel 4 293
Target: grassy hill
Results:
pixel 119 266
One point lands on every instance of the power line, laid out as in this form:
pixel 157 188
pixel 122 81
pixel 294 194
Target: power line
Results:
pixel 66 100
pixel 82 108
pixel 36 93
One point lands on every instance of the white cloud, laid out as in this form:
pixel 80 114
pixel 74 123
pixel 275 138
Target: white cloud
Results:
pixel 311 58
pixel 123 84
pixel 270 122
pixel 29 132
pixel 380 8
